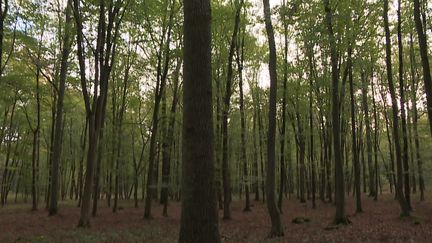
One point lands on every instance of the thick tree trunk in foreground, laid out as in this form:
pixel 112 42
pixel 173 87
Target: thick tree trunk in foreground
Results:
pixel 199 218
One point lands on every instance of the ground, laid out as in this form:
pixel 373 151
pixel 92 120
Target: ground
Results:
pixel 380 222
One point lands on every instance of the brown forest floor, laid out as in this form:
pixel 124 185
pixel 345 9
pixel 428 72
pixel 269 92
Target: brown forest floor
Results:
pixel 379 223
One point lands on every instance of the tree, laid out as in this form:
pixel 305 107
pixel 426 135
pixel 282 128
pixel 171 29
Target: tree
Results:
pixel 225 111
pixel 421 33
pixel 4 8
pixel 276 228
pixel 59 112
pixel 107 34
pixel 163 61
pixel 340 217
pixel 356 162
pixel 240 63
pixel 399 192
pixel 406 180
pixel 199 218
pixel 414 85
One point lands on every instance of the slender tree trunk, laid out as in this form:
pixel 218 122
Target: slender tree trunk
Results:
pixel 35 149
pixel 162 73
pixel 422 38
pixel 107 35
pixel 283 118
pixel 53 208
pixel 276 228
pixel 406 180
pixel 255 156
pixel 4 8
pixel 356 162
pixel 400 195
pixel 240 60
pixel 225 110
pixel 168 142
pixel 365 105
pixel 340 217
pixel 414 83
pixel 376 136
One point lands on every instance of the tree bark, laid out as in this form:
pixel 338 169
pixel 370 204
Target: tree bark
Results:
pixel 225 111
pixel 400 196
pixel 53 207
pixel 340 217
pixel 356 162
pixel 414 84
pixel 276 228
pixel 406 180
pixel 199 218
pixel 240 60
pixel 421 33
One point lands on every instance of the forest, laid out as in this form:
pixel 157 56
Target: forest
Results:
pixel 215 121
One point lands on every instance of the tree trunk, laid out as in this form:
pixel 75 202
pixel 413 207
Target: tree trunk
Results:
pixel 283 115
pixel 162 73
pixel 356 162
pixel 225 110
pixel 53 207
pixel 276 228
pixel 406 180
pixel 240 60
pixel 422 38
pixel 199 218
pixel 400 196
pixel 365 105
pixel 168 142
pixel 414 83
pixel 340 217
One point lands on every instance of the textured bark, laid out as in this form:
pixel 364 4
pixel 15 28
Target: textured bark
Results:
pixel 199 218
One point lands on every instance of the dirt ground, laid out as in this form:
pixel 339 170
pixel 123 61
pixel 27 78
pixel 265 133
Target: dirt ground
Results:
pixel 380 222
